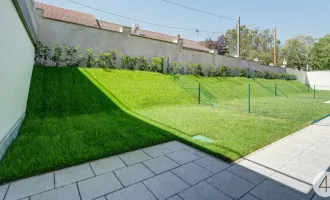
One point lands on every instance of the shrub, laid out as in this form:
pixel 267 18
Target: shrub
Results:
pixel 90 58
pixel 234 71
pixel 128 62
pixel 267 75
pixel 242 73
pixel 258 74
pixel 142 63
pixel 71 58
pixel 198 69
pixel 287 77
pixel 42 53
pixel 175 65
pixel 57 56
pixel 162 64
pixel 107 60
pixel 156 64
pixel 214 71
pixel 274 75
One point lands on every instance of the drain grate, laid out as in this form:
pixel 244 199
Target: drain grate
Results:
pixel 203 139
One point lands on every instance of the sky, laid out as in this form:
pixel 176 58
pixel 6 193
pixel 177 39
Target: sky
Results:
pixel 290 17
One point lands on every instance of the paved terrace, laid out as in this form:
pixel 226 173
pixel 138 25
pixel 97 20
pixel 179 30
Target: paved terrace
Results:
pixel 282 170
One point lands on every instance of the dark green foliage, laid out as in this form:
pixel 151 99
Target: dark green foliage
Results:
pixel 288 77
pixel 128 62
pixel 198 69
pixel 90 58
pixel 71 58
pixel 57 56
pixel 242 73
pixel 257 74
pixel 142 63
pixel 107 60
pixel 157 64
pixel 42 53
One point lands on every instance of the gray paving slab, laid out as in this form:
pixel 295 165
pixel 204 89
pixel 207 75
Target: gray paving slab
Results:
pixel 212 164
pixel 101 198
pixel 134 157
pixel 182 156
pixel 107 165
pixel 134 192
pixel 195 151
pixel 270 159
pixel 321 147
pixel 249 197
pixel 160 164
pixel 251 171
pixel 293 183
pixel 158 150
pixel 98 186
pixel 321 165
pixel 133 174
pixel 30 186
pixel 317 197
pixel 300 171
pixel 73 174
pixel 192 173
pixel 231 184
pixel 286 148
pixel 176 197
pixel 3 190
pixel 175 145
pixel 318 154
pixel 203 191
pixel 68 192
pixel 268 190
pixel 165 185
pixel 27 198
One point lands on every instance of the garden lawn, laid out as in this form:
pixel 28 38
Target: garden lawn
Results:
pixel 75 115
pixel 70 121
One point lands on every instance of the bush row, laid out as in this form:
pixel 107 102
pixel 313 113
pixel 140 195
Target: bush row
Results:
pixel 69 56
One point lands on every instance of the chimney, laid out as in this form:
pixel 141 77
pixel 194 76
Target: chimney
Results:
pixel 135 27
pixel 125 29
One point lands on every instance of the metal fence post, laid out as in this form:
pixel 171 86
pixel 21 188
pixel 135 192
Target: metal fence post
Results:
pixel 314 92
pixel 275 91
pixel 199 93
pixel 249 98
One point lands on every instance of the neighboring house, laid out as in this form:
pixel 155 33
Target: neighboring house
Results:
pixel 70 16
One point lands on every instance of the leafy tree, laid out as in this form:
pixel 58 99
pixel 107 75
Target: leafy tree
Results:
pixel 220 45
pixel 254 43
pixel 296 51
pixel 320 54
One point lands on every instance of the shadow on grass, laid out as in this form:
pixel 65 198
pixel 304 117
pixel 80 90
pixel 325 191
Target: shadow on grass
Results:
pixel 71 121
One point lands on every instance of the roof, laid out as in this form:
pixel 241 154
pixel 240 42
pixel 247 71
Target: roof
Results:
pixel 65 15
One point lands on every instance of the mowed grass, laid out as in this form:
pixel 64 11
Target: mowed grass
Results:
pixel 76 115
pixel 173 105
pixel 70 121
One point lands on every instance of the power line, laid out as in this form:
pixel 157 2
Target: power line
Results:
pixel 141 21
pixel 201 11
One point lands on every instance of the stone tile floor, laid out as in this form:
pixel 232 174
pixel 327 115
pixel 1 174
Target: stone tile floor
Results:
pixel 282 170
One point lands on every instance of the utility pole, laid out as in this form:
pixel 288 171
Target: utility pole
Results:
pixel 238 36
pixel 197 34
pixel 275 46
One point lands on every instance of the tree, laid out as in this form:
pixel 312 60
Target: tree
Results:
pixel 220 45
pixel 320 54
pixel 254 43
pixel 296 51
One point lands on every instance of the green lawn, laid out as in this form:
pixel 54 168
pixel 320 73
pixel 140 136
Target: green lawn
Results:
pixel 75 115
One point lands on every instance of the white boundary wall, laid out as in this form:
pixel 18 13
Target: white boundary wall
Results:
pixel 16 64
pixel 52 31
pixel 321 79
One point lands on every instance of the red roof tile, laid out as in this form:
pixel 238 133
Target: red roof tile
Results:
pixel 53 12
pixel 61 14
